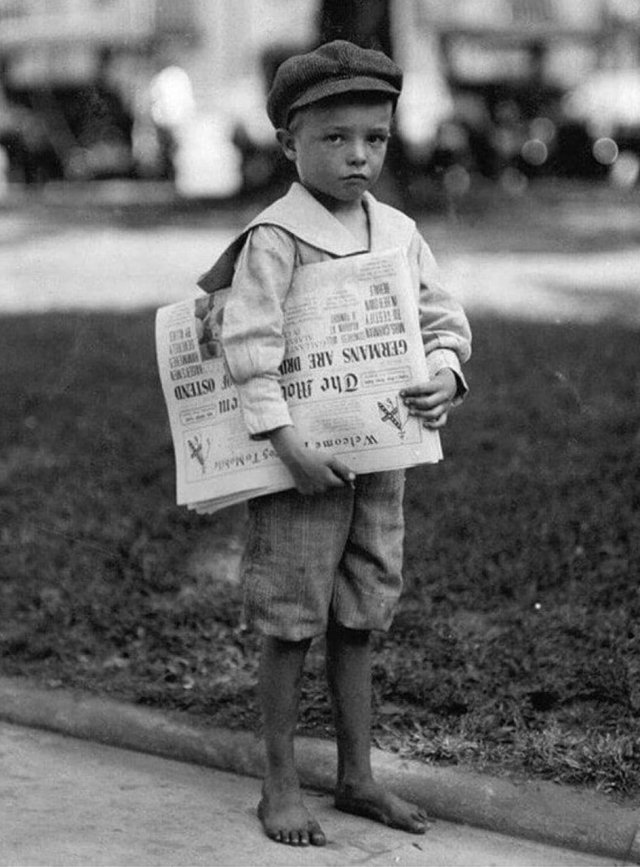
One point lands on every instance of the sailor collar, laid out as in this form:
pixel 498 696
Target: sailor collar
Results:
pixel 302 215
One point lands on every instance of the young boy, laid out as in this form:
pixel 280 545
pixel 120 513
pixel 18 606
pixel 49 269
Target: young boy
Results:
pixel 325 558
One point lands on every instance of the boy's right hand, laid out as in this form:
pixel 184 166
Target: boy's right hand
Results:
pixel 314 472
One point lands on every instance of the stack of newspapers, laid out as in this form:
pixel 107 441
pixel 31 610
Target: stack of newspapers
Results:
pixel 352 341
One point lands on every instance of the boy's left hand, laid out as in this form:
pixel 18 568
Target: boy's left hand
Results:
pixel 432 400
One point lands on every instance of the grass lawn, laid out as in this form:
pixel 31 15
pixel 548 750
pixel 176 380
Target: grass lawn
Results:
pixel 517 645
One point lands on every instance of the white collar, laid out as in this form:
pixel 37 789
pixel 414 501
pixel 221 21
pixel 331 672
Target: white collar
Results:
pixel 302 215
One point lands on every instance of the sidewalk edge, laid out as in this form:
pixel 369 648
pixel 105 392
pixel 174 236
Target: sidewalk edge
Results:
pixel 541 811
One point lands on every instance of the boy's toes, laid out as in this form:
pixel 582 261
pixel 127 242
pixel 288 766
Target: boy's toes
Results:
pixel 418 822
pixel 316 835
pixel 291 825
pixel 374 802
pixel 413 819
pixel 290 838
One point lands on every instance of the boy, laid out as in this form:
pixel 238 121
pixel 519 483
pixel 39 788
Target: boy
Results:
pixel 325 558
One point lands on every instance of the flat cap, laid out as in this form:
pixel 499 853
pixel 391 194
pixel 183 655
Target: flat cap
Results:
pixel 334 68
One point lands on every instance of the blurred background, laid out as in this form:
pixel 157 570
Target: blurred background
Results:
pixel 504 91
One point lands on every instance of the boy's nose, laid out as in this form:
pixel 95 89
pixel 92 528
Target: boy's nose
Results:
pixel 357 153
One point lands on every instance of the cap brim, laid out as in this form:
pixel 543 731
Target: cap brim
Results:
pixel 339 86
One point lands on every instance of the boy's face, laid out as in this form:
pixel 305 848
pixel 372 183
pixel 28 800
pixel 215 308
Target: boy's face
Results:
pixel 339 147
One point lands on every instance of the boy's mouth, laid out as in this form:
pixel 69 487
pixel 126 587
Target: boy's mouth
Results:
pixel 356 176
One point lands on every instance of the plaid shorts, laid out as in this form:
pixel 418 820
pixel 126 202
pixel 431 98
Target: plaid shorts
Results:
pixel 336 555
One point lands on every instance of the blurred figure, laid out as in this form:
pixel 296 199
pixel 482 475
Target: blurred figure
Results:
pixel 31 156
pixel 197 150
pixel 172 104
pixel 98 124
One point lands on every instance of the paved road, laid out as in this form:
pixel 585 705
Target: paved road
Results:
pixel 70 802
pixel 45 267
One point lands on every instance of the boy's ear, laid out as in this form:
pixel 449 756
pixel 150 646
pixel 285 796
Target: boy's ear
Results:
pixel 287 142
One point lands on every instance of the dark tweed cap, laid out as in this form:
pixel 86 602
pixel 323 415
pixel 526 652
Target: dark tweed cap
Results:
pixel 334 68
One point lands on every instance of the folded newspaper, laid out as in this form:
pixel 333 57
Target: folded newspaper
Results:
pixel 352 341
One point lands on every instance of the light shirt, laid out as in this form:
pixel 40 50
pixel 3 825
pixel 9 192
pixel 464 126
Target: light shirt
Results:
pixel 297 230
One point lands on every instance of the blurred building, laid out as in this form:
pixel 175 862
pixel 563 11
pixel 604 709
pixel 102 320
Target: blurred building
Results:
pixel 545 41
pixel 525 80
pixel 80 92
pixel 153 88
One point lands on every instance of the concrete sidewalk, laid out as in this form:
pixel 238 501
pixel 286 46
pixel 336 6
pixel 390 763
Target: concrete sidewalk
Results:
pixel 71 802
pixel 544 812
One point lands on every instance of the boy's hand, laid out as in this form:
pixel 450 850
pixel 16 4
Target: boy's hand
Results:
pixel 314 472
pixel 432 400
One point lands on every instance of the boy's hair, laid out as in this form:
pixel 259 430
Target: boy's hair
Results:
pixel 333 69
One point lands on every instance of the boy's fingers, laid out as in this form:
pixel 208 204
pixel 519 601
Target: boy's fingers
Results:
pixel 437 418
pixel 432 402
pixel 436 423
pixel 343 472
pixel 424 402
pixel 423 388
pixel 437 414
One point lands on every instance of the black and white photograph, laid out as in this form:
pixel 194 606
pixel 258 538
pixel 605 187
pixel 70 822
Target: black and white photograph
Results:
pixel 287 281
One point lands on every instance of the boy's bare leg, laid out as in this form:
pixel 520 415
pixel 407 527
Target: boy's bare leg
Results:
pixel 281 810
pixel 349 675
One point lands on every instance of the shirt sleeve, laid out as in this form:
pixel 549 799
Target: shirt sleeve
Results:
pixel 252 329
pixel 446 334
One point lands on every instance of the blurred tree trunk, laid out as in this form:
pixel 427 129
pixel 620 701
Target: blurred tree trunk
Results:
pixel 365 22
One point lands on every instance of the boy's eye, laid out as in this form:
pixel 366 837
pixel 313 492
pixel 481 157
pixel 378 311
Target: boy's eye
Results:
pixel 378 138
pixel 335 138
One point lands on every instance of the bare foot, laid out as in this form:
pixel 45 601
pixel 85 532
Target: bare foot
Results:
pixel 286 819
pixel 374 802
